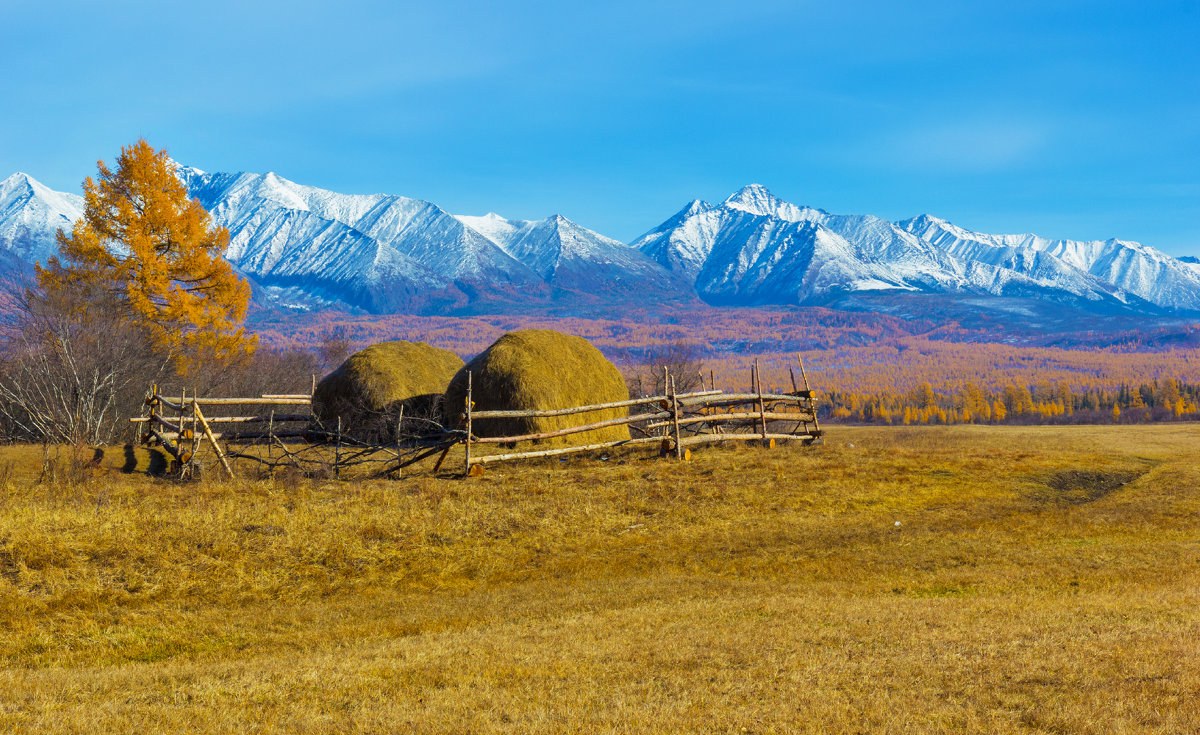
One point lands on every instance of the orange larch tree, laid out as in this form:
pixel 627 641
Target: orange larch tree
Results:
pixel 154 253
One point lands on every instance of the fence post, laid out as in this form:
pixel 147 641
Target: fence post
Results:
pixel 799 400
pixel 675 419
pixel 812 404
pixel 467 442
pixel 195 432
pixel 179 435
pixel 149 411
pixel 762 407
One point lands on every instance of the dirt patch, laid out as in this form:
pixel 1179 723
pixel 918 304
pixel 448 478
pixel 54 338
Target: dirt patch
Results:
pixel 1075 487
pixel 265 529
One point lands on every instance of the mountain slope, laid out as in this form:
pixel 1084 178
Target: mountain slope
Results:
pixel 755 248
pixel 30 215
pixel 579 261
pixel 1128 267
pixel 378 252
pixel 306 247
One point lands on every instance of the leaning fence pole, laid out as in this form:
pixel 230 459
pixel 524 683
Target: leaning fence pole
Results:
pixel 812 404
pixel 199 415
pixel 152 405
pixel 467 440
pixel 799 400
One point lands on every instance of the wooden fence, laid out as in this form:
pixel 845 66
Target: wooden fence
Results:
pixel 674 421
pixel 181 425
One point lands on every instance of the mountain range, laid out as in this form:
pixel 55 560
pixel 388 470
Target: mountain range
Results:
pixel 309 248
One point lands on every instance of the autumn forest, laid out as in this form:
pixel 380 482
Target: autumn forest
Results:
pixel 869 368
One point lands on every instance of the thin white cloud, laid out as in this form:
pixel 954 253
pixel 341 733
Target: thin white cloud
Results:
pixel 964 146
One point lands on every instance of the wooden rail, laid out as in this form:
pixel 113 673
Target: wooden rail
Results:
pixel 672 420
pixel 183 442
pixel 687 419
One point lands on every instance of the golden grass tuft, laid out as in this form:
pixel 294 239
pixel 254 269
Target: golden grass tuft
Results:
pixel 1025 589
pixel 368 389
pixel 541 369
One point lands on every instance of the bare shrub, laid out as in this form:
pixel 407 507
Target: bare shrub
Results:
pixel 333 350
pixel 268 371
pixel 683 365
pixel 72 375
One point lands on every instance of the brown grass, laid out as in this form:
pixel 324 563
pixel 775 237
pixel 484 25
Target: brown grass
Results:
pixel 1040 580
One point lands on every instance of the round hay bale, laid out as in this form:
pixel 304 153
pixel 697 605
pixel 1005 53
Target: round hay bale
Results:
pixel 369 388
pixel 539 369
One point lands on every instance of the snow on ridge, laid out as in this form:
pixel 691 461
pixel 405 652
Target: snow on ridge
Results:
pixel 1122 267
pixel 724 252
pixel 751 248
pixel 757 199
pixel 31 214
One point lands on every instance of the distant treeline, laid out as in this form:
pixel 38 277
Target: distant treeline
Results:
pixel 1043 403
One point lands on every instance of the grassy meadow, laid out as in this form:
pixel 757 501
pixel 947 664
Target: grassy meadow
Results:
pixel 940 579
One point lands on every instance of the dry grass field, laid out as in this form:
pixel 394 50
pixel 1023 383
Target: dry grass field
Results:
pixel 950 579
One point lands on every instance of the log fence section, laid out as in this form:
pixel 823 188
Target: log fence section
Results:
pixel 673 420
pixel 189 426
pixel 291 439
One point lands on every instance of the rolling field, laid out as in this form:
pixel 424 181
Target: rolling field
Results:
pixel 942 579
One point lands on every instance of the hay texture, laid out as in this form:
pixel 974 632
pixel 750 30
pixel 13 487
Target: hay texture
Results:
pixel 539 369
pixel 369 388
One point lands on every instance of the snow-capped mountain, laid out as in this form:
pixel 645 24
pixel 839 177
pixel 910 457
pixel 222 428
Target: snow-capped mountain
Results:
pixel 575 259
pixel 377 252
pixel 1131 267
pixel 310 247
pixel 30 215
pixel 387 253
pixel 755 248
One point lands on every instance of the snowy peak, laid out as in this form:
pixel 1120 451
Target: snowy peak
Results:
pixel 757 199
pixel 749 250
pixel 572 258
pixel 18 182
pixel 30 216
pixel 923 223
pixel 378 252
pixel 1125 269
pixel 307 246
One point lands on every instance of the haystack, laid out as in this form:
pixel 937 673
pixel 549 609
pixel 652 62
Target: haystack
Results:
pixel 368 390
pixel 539 369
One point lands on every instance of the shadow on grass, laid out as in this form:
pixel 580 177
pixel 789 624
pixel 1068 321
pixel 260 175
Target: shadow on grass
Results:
pixel 143 460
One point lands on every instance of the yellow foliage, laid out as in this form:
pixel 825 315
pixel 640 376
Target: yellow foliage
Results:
pixel 999 412
pixel 144 244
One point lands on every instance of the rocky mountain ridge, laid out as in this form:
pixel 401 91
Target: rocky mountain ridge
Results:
pixel 310 248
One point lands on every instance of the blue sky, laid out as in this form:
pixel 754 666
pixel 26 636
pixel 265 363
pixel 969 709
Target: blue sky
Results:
pixel 1069 119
